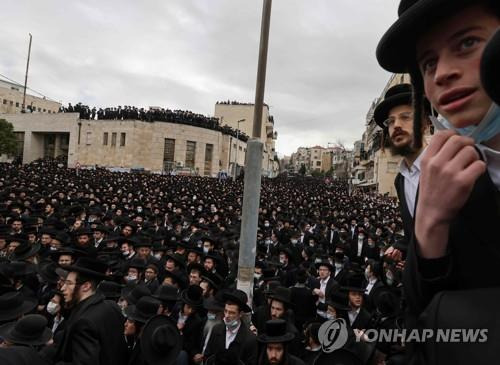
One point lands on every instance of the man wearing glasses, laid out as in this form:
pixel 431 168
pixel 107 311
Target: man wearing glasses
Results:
pixel 395 116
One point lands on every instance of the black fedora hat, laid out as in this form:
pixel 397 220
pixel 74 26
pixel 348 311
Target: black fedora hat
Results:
pixel 89 267
pixel 238 297
pixel 110 289
pixel 137 263
pixel 214 279
pixel 282 294
pixel 325 262
pixel 167 293
pixel 276 332
pixel 214 303
pixel 47 270
pixel 396 50
pixel 25 250
pixel 178 259
pixel 224 357
pixel 339 301
pixel 133 293
pixel 161 341
pixel 354 283
pixel 146 308
pixel 14 305
pixel 490 72
pixel 193 296
pixel 30 330
pixel 400 94
pixel 84 231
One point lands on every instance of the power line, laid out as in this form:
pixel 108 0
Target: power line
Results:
pixel 36 92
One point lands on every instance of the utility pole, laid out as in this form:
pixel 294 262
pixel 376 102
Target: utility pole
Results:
pixel 253 169
pixel 237 146
pixel 26 76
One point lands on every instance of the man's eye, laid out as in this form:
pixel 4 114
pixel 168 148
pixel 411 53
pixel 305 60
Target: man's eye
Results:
pixel 428 65
pixel 468 43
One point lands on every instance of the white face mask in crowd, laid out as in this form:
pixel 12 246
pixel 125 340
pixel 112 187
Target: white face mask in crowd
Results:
pixel 52 308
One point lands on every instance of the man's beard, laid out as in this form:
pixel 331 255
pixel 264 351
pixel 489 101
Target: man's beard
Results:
pixel 404 150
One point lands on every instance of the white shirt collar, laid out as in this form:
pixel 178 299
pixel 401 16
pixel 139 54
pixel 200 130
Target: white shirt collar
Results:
pixel 403 167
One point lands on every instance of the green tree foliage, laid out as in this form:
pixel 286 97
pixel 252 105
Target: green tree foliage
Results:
pixel 8 144
pixel 302 169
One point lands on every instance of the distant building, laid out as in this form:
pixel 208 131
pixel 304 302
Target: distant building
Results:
pixel 11 100
pixel 229 113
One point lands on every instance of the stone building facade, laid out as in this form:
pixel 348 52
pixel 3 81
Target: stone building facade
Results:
pixel 128 144
pixel 11 100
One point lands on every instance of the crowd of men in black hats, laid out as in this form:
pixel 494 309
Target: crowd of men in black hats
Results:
pixel 140 269
pixel 152 115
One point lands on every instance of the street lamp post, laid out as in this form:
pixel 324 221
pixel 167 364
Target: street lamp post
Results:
pixel 237 146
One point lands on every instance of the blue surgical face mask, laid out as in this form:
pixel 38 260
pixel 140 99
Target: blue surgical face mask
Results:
pixel 488 128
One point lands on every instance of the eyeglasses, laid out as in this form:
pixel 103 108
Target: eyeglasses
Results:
pixel 404 117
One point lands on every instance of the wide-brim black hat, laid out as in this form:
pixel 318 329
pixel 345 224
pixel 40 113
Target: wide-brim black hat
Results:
pixel 396 50
pixel 161 341
pixel 25 251
pixel 110 289
pixel 339 301
pixel 397 95
pixel 30 330
pixel 47 271
pixel 193 296
pixel 143 310
pixel 354 283
pixel 490 71
pixel 14 304
pixel 281 294
pixel 276 332
pixel 166 293
pixel 238 297
pixel 178 259
pixel 89 267
pixel 212 304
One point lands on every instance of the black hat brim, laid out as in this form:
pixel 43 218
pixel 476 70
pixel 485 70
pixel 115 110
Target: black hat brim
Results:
pixel 150 355
pixel 234 299
pixel 90 273
pixel 382 110
pixel 28 305
pixel 131 313
pixel 287 337
pixel 6 334
pixel 396 49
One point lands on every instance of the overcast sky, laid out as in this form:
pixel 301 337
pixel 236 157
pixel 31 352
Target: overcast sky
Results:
pixel 322 74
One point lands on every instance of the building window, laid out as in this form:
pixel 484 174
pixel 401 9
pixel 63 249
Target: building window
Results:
pixel 105 139
pixel 122 139
pixel 11 103
pixel 241 149
pixel 190 153
pixel 318 163
pixel 39 110
pixel 209 149
pixel 88 139
pixel 44 110
pixel 17 104
pixel 113 139
pixel 5 101
pixel 169 154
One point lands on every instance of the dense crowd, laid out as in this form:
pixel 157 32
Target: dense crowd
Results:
pixel 103 262
pixel 152 115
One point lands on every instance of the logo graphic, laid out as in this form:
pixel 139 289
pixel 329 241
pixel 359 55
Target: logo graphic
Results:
pixel 333 335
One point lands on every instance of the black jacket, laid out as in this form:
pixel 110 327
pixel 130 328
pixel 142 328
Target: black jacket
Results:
pixel 245 343
pixel 408 222
pixel 93 334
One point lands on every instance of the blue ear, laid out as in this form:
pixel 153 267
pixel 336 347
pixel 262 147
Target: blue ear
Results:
pixel 490 70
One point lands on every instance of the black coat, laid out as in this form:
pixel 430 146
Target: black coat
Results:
pixel 408 221
pixel 304 305
pixel 245 343
pixel 363 320
pixel 93 334
pixel 192 334
pixel 21 355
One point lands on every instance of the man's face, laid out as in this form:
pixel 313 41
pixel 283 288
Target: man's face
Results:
pixel 170 265
pixel 17 226
pixel 98 235
pixel 209 264
pixel 231 312
pixel 449 56
pixel 194 277
pixel 323 272
pixel 275 352
pixel 64 260
pixel 355 299
pixel 46 239
pixel 144 252
pixel 68 288
pixel 192 257
pixel 83 240
pixel 277 309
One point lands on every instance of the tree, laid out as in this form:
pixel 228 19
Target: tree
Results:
pixel 302 169
pixel 8 143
